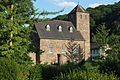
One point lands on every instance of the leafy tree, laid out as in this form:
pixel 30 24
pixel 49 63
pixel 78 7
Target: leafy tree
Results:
pixel 108 14
pixel 111 63
pixel 16 21
pixel 102 36
pixel 61 17
pixel 88 72
pixel 9 70
pixel 74 52
pixel 110 43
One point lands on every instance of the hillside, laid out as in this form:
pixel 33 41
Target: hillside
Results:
pixel 108 14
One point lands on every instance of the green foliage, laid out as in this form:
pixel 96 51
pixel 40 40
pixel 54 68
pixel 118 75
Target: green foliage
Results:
pixel 49 72
pixel 48 13
pixel 83 75
pixel 61 17
pixel 35 72
pixel 87 73
pixel 111 63
pixel 101 36
pixel 108 14
pixel 14 34
pixel 9 69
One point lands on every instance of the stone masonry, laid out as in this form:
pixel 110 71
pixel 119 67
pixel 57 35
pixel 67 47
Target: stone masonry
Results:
pixel 49 58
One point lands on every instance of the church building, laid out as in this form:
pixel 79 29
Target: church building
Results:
pixel 54 35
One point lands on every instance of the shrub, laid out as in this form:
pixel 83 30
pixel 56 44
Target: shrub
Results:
pixel 8 69
pixel 111 63
pixel 35 72
pixel 87 72
pixel 49 72
pixel 84 75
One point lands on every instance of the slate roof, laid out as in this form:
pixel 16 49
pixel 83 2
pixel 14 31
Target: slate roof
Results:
pixel 54 33
pixel 78 8
pixel 94 45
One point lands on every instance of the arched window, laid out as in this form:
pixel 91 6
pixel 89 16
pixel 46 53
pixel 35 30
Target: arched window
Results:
pixel 47 27
pixel 70 29
pixel 59 28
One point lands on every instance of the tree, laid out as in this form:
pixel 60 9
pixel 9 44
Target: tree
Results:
pixel 110 44
pixel 102 37
pixel 16 22
pixel 74 52
pixel 108 14
pixel 61 17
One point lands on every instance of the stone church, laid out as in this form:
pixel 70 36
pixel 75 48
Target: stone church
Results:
pixel 53 35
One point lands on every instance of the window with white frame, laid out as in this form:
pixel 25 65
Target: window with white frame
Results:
pixel 60 28
pixel 70 29
pixel 47 27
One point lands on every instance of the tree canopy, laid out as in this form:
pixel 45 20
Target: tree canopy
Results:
pixel 16 21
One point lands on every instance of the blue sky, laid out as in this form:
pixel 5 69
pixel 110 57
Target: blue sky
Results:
pixel 56 5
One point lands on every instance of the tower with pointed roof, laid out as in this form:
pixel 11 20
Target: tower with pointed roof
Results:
pixel 80 19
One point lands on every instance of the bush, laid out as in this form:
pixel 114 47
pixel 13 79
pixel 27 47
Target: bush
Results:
pixel 87 72
pixel 49 72
pixel 111 63
pixel 35 72
pixel 84 75
pixel 8 69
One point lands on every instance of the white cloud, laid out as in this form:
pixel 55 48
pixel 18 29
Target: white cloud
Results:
pixel 94 5
pixel 98 4
pixel 63 3
pixel 67 4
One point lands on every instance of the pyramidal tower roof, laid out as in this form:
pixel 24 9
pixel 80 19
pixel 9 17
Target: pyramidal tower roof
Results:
pixel 78 8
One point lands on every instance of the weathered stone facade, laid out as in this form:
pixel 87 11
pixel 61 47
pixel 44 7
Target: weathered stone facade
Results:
pixel 83 26
pixel 48 57
pixel 52 40
pixel 80 19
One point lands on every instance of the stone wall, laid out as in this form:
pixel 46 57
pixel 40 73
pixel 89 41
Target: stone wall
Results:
pixel 83 25
pixel 52 57
pixel 32 55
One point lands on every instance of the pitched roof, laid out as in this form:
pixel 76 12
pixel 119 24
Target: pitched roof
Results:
pixel 78 8
pixel 54 33
pixel 94 45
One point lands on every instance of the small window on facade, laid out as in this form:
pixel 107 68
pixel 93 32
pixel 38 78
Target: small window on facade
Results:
pixel 63 49
pixel 50 47
pixel 85 16
pixel 81 16
pixel 70 29
pixel 93 52
pixel 59 28
pixel 76 50
pixel 47 28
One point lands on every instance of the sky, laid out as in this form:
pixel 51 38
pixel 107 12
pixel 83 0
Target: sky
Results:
pixel 67 5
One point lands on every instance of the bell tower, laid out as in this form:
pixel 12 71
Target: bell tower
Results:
pixel 80 19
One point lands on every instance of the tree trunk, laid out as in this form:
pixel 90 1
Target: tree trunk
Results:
pixel 11 34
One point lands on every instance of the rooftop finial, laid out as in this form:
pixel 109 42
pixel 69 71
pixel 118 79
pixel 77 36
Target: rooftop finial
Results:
pixel 78 2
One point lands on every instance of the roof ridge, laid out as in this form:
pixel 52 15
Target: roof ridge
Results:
pixel 78 8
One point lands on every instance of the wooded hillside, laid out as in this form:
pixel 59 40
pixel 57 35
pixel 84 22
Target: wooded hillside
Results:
pixel 107 14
